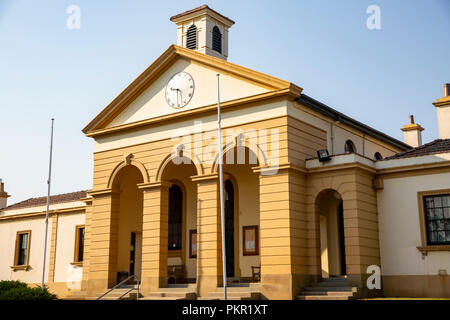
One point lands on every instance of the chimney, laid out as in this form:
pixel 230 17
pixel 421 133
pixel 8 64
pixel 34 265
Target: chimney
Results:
pixel 412 133
pixel 3 195
pixel 443 113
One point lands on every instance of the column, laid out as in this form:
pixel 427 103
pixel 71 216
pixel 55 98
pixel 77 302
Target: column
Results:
pixel 209 245
pixel 103 241
pixel 155 226
pixel 283 228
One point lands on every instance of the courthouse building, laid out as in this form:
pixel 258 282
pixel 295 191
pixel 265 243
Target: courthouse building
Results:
pixel 313 198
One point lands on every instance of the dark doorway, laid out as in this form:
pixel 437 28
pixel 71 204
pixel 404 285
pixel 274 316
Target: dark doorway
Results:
pixel 132 253
pixel 175 217
pixel 229 227
pixel 342 238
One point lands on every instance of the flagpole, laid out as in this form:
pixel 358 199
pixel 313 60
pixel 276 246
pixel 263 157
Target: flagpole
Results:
pixel 222 213
pixel 48 205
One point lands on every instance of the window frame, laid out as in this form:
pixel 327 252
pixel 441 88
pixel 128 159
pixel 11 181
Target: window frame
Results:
pixel 219 44
pixel 188 34
pixel 76 255
pixel 244 250
pixel 16 265
pixel 425 247
pixel 350 143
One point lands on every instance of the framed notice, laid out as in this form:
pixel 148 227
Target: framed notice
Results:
pixel 250 241
pixel 193 244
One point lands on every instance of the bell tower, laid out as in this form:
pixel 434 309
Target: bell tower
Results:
pixel 204 30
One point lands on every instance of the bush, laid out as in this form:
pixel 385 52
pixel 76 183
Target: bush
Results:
pixel 17 290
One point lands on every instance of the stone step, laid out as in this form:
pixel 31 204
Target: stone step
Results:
pixel 332 284
pixel 172 294
pixel 343 289
pixel 164 298
pixel 322 297
pixel 328 293
pixel 237 295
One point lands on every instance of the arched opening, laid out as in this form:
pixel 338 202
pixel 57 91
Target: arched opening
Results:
pixel 229 227
pixel 377 156
pixel 175 217
pixel 181 200
pixel 191 37
pixel 350 147
pixel 129 226
pixel 330 215
pixel 217 40
pixel 241 186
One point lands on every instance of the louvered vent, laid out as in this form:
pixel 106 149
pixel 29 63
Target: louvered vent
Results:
pixel 217 40
pixel 191 37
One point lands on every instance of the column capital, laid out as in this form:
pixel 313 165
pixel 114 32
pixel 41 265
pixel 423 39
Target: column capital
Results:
pixel 102 192
pixel 212 176
pixel 153 185
pixel 274 170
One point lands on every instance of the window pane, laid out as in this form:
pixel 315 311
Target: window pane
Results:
pixel 81 245
pixel 438 213
pixel 446 201
pixel 437 202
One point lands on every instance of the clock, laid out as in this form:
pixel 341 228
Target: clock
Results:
pixel 179 90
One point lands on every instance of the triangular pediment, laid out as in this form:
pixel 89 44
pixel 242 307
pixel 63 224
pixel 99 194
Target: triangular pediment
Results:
pixel 145 98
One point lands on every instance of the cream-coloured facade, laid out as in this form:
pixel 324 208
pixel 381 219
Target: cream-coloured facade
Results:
pixel 298 219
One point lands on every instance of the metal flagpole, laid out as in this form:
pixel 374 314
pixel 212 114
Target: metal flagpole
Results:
pixel 48 205
pixel 222 211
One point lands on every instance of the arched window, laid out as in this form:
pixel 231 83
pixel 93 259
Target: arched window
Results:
pixel 191 37
pixel 175 217
pixel 217 40
pixel 350 147
pixel 377 156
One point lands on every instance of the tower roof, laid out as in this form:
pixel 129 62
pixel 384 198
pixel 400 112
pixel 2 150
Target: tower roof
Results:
pixel 201 8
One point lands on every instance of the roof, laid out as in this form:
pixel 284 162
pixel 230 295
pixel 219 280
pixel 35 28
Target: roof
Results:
pixel 41 201
pixel 174 52
pixel 198 9
pixel 434 147
pixel 342 118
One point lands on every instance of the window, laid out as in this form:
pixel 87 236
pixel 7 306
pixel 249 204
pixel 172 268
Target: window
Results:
pixel 217 40
pixel 175 217
pixel 437 219
pixel 193 244
pixel 377 156
pixel 191 37
pixel 250 241
pixel 79 244
pixel 350 147
pixel 22 254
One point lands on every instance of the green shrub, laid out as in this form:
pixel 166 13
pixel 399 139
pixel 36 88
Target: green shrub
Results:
pixel 17 290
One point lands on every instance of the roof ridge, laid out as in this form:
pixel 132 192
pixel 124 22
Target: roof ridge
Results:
pixel 29 201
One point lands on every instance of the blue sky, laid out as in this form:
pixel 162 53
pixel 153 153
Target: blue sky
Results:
pixel 378 77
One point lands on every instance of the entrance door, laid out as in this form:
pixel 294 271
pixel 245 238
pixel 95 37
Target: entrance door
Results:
pixel 132 253
pixel 229 227
pixel 341 239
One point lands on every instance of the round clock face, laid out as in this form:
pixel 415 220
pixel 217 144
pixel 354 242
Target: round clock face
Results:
pixel 179 90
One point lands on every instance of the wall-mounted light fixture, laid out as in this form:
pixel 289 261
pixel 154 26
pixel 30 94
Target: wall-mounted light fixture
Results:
pixel 323 155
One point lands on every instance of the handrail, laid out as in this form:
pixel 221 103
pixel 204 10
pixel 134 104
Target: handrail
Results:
pixel 121 283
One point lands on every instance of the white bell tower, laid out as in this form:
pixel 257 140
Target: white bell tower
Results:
pixel 203 30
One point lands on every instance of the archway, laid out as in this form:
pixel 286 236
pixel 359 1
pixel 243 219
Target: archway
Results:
pixel 241 186
pixel 181 200
pixel 129 226
pixel 330 213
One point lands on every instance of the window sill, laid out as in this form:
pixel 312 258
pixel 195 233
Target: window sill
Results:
pixel 77 264
pixel 426 249
pixel 23 267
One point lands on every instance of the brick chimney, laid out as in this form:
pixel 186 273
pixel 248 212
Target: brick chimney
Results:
pixel 412 133
pixel 443 113
pixel 3 195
